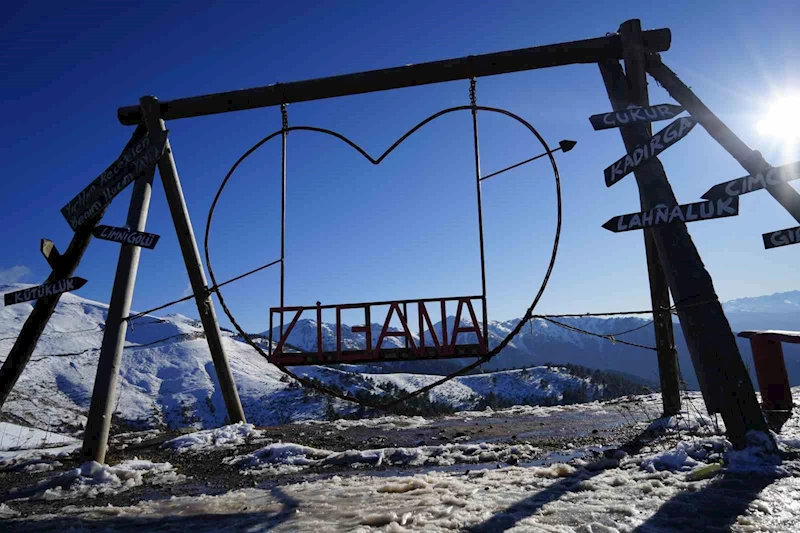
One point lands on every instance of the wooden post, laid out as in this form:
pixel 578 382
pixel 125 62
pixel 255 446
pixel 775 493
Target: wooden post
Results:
pixel 101 408
pixel 633 53
pixel 751 160
pixel 712 346
pixel 34 325
pixel 197 276
pixel 63 266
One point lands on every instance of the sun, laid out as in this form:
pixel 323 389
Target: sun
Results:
pixel 781 121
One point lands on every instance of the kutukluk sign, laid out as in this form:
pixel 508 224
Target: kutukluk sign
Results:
pixel 40 291
pixel 126 236
pixel 130 165
pixel 782 237
pixel 635 115
pixel 659 216
pixel 762 180
pixel 659 142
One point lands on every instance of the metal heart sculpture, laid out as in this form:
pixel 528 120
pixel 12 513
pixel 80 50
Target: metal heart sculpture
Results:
pixel 215 287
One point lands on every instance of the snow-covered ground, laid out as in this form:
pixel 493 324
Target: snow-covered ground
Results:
pixel 687 480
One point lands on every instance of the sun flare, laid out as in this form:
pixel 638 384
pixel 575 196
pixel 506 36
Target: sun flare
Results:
pixel 782 120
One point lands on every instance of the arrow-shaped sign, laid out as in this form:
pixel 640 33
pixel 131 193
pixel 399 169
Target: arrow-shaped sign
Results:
pixel 40 291
pixel 746 184
pixel 782 237
pixel 126 236
pixel 130 165
pixel 635 115
pixel 659 142
pixel 659 216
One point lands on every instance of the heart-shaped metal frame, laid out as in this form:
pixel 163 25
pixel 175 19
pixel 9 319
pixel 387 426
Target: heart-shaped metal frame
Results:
pixel 376 161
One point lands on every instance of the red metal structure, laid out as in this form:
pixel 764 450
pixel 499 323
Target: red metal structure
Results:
pixel 445 347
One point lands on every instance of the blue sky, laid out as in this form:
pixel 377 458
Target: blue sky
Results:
pixel 408 228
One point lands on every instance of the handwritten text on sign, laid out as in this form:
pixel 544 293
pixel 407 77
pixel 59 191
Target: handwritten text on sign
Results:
pixel 783 237
pixel 98 194
pixel 635 115
pixel 40 291
pixel 644 152
pixel 727 207
pixel 126 236
pixel 773 176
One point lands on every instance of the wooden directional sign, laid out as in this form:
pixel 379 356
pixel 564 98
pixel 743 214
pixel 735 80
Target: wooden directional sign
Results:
pixel 126 236
pixel 635 115
pixel 130 165
pixel 719 208
pixel 40 291
pixel 659 142
pixel 782 237
pixel 773 176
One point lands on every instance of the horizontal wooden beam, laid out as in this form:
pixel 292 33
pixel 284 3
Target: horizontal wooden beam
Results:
pixel 554 55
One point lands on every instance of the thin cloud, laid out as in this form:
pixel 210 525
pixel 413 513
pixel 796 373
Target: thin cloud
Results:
pixel 14 274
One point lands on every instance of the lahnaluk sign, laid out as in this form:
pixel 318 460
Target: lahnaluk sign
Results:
pixel 783 237
pixel 659 142
pixel 126 236
pixel 40 291
pixel 659 216
pixel 747 184
pixel 635 115
pixel 130 165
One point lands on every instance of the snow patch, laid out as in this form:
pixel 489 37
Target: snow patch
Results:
pixel 224 437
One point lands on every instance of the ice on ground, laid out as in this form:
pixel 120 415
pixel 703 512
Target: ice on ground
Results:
pixel 553 499
pixel 224 437
pixel 381 422
pixel 272 458
pixel 92 479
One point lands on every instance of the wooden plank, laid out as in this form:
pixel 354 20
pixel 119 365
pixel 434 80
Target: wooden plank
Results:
pixel 771 177
pixel 126 236
pixel 708 210
pixel 40 291
pixel 634 115
pixel 50 252
pixel 792 337
pixel 584 51
pixel 781 237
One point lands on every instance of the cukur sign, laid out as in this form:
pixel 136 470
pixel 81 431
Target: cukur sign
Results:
pixel 659 142
pixel 126 236
pixel 659 216
pixel 635 115
pixel 130 165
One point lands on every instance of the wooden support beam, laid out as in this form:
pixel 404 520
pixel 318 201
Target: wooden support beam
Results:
pixel 636 75
pixel 712 346
pixel 585 51
pixel 751 160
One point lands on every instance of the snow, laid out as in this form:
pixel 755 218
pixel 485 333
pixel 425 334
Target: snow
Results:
pixel 92 479
pixel 271 458
pixel 380 422
pixel 16 437
pixel 224 437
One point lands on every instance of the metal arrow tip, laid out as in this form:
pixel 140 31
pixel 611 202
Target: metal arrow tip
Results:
pixel 566 145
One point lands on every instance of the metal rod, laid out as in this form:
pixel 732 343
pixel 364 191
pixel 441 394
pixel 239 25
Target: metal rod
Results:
pixel 519 164
pixel 480 210
pixel 584 51
pixel 194 268
pixel 104 394
pixel 284 134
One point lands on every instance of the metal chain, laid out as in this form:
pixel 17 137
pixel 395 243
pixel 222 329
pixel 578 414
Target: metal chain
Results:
pixel 472 93
pixel 284 119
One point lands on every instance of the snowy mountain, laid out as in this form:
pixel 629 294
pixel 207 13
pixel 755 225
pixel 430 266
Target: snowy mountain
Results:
pixel 167 377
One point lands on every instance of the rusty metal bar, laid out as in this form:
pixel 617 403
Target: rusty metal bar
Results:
pixel 362 304
pixel 480 206
pixel 584 51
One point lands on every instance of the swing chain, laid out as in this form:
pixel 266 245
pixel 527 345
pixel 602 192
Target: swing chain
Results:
pixel 284 118
pixel 472 94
